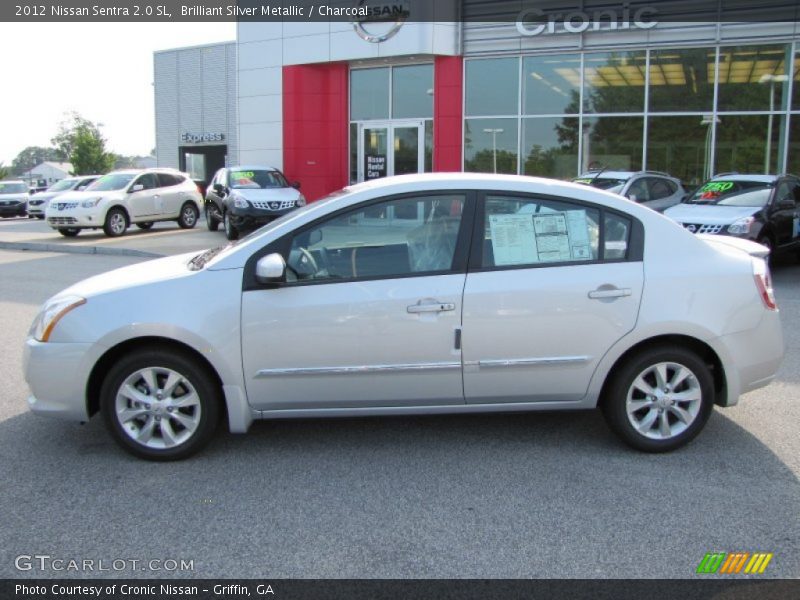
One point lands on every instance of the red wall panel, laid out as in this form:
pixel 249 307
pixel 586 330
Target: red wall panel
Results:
pixel 448 115
pixel 315 127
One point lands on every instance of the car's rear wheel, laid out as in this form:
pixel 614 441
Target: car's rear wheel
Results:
pixel 230 229
pixel 211 221
pixel 160 405
pixel 188 217
pixel 69 231
pixel 116 223
pixel 146 225
pixel 660 399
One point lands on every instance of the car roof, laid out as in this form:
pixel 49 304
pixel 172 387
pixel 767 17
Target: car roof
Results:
pixel 607 174
pixel 746 177
pixel 251 168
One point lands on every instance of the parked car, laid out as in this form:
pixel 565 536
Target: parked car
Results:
pixel 762 208
pixel 37 204
pixel 418 294
pixel 13 196
pixel 246 197
pixel 652 189
pixel 121 198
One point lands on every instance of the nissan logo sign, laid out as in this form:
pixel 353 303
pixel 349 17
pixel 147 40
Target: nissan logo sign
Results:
pixel 381 21
pixel 535 21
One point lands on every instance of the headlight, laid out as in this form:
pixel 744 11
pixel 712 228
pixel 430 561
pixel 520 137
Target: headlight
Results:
pixel 301 200
pixel 91 203
pixel 741 226
pixel 240 202
pixel 51 314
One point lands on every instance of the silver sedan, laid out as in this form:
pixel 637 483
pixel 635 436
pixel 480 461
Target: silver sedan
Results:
pixel 422 294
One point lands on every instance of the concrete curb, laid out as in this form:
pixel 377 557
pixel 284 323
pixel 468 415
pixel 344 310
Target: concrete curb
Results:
pixel 74 249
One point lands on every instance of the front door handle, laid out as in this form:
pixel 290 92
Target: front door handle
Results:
pixel 609 292
pixel 430 307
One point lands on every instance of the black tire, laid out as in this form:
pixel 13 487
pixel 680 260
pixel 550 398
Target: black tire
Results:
pixel 116 222
pixel 211 221
pixel 230 229
pixel 69 231
pixel 207 391
pixel 40 217
pixel 188 217
pixel 146 225
pixel 699 383
pixel 766 240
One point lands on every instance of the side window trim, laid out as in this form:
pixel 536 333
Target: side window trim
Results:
pixel 475 264
pixel 283 244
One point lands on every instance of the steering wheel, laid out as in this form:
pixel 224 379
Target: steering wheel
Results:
pixel 308 257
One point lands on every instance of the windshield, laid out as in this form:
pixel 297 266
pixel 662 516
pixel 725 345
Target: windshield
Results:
pixel 714 192
pixel 60 186
pixel 110 182
pixel 755 198
pixel 256 179
pixel 13 188
pixel 602 183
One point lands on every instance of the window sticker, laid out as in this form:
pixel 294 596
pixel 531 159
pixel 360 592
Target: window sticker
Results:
pixel 513 239
pixel 543 237
pixel 578 229
pixel 552 239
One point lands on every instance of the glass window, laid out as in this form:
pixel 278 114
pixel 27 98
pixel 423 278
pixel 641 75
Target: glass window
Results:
pixel 525 231
pixel 353 152
pixel 613 143
pixel 617 231
pixel 490 145
pixel 680 146
pixel 753 78
pixel 148 180
pixel 614 82
pixel 552 84
pixel 744 143
pixel 428 146
pixel 369 94
pixel 793 164
pixel 412 92
pixel 796 88
pixel 351 246
pixel 492 87
pixel 660 188
pixel 550 147
pixel 682 80
pixel 195 165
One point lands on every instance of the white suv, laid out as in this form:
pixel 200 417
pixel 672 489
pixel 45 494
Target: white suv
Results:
pixel 120 198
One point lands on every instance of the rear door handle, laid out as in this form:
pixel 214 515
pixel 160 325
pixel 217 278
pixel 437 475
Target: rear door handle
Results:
pixel 428 307
pixel 609 292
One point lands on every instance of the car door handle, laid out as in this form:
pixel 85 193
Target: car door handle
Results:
pixel 434 307
pixel 609 292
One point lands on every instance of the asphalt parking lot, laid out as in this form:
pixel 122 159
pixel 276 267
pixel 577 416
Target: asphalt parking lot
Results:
pixel 485 496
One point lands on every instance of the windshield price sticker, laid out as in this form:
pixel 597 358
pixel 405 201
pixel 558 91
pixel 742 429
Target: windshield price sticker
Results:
pixel 717 186
pixel 242 175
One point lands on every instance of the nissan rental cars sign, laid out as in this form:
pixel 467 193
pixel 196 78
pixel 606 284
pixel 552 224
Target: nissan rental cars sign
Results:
pixel 535 21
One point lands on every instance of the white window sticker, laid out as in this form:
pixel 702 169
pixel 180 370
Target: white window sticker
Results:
pixel 525 238
pixel 513 240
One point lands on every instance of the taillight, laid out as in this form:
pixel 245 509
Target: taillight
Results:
pixel 764 283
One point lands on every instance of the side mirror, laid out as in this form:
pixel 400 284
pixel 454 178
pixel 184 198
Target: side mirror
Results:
pixel 31 191
pixel 296 185
pixel 270 268
pixel 136 188
pixel 218 188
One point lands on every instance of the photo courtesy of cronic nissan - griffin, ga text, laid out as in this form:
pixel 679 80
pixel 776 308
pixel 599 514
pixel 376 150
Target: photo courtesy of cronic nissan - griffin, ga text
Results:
pixel 418 294
pixel 122 198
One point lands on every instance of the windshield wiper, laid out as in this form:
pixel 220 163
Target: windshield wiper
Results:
pixel 199 261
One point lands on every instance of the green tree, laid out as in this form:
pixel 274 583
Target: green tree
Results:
pixel 33 156
pixel 81 141
pixel 4 171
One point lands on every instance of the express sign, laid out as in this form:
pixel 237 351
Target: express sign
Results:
pixel 200 138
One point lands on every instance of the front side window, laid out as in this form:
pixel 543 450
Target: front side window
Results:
pixel 530 231
pixel 394 238
pixel 148 181
pixel 111 182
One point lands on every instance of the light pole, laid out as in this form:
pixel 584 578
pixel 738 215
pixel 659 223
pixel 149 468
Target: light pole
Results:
pixel 494 133
pixel 707 167
pixel 771 80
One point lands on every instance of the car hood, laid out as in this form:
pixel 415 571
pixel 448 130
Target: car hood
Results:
pixel 150 271
pixel 5 197
pixel 274 194
pixel 709 214
pixel 86 195
pixel 48 195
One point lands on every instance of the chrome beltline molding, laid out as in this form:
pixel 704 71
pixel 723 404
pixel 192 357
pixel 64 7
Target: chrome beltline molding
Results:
pixel 443 366
pixel 528 362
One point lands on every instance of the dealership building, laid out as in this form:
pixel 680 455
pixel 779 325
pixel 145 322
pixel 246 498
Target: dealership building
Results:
pixel 622 87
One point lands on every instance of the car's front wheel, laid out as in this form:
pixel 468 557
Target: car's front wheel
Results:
pixel 660 399
pixel 230 229
pixel 211 221
pixel 69 231
pixel 188 217
pixel 160 405
pixel 116 223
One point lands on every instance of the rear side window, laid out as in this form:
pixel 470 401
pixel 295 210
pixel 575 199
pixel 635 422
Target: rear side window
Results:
pixel 528 231
pixel 617 230
pixel 661 188
pixel 168 179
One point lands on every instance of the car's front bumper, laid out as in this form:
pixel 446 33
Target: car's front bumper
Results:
pixel 74 217
pixel 255 217
pixel 57 375
pixel 12 209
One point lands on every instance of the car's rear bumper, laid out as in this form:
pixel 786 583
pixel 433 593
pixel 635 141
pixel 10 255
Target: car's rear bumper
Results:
pixel 57 375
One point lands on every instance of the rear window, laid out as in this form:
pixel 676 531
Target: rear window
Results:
pixel 602 183
pixel 713 192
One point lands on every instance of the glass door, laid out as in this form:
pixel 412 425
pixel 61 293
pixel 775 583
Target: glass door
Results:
pixel 390 148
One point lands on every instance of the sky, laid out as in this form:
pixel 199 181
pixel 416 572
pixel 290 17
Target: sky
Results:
pixel 104 71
